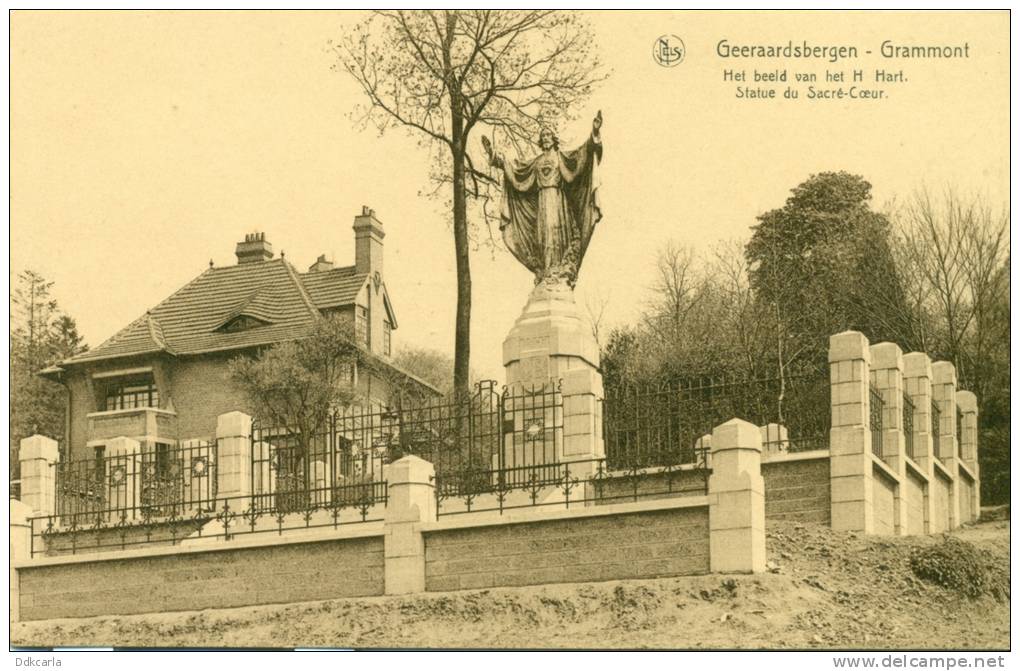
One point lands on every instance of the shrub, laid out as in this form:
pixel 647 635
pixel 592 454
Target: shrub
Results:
pixel 959 566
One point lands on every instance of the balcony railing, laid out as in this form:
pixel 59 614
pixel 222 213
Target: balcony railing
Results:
pixel 136 423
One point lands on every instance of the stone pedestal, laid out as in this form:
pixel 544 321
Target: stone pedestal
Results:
pixel 887 376
pixel 943 395
pixel 966 401
pixel 917 387
pixel 552 343
pixel 38 456
pixel 411 502
pixel 20 550
pixel 736 495
pixel 850 469
pixel 233 448
pixel 123 477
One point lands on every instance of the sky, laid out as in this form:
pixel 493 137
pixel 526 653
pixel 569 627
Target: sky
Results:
pixel 145 144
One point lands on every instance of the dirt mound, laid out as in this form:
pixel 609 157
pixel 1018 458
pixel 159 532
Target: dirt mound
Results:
pixel 823 590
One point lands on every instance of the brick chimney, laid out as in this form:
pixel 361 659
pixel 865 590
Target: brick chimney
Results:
pixel 368 242
pixel 254 249
pixel 320 265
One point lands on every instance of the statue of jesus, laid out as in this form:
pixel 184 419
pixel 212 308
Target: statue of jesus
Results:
pixel 550 205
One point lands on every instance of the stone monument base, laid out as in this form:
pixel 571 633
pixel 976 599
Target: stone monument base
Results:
pixel 551 343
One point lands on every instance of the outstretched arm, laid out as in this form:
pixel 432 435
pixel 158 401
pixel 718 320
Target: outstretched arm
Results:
pixel 494 158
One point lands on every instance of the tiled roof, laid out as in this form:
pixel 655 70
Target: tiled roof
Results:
pixel 331 288
pixel 272 292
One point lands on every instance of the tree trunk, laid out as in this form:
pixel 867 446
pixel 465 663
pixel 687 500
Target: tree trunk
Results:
pixel 462 338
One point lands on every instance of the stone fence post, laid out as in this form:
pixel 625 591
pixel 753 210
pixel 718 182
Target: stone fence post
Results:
pixel 123 477
pixel 943 392
pixel 233 457
pixel 411 501
pixel 850 469
pixel 20 549
pixel 736 496
pixel 966 401
pixel 887 376
pixel 917 386
pixel 38 456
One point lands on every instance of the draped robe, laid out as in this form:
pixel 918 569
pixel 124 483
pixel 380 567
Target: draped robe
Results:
pixel 550 208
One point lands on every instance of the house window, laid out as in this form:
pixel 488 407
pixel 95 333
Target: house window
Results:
pixel 132 394
pixel 99 461
pixel 387 338
pixel 241 323
pixel 361 331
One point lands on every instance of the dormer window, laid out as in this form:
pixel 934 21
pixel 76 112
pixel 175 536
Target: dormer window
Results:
pixel 241 323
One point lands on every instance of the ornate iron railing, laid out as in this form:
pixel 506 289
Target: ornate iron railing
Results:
pixel 908 425
pixel 149 482
pixel 665 424
pixel 223 518
pixel 876 408
pixel 291 474
pixel 563 485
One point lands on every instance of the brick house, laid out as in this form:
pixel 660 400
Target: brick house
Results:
pixel 164 377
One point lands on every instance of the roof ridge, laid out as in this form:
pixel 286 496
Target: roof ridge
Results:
pixel 156 332
pixel 331 270
pixel 120 334
pixel 296 278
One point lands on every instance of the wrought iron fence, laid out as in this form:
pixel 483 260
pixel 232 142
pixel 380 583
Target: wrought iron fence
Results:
pixel 876 408
pixel 565 484
pixel 224 518
pixel 292 474
pixel 665 424
pixel 150 482
pixel 936 430
pixel 908 425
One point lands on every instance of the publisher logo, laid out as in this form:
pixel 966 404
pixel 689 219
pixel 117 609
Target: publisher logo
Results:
pixel 669 51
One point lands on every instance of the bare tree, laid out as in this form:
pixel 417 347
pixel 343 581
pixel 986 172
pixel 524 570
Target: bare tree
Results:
pixel 444 74
pixel 595 304
pixel 675 289
pixel 955 251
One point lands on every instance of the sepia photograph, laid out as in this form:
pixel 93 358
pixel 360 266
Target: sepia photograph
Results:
pixel 510 329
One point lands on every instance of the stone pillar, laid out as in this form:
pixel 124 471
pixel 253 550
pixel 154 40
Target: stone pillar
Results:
pixel 411 501
pixel 233 458
pixel 966 401
pixel 20 550
pixel 320 485
pixel 887 376
pixel 551 342
pixel 123 475
pixel 917 386
pixel 736 497
pixel 943 393
pixel 582 420
pixel 850 467
pixel 38 456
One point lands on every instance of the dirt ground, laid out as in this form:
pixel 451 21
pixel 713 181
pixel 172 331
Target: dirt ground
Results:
pixel 825 590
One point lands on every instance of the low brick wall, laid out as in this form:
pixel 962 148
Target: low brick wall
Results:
pixel 883 498
pixel 651 486
pixel 650 544
pixel 798 490
pixel 89 540
pixel 203 579
pixel 913 488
